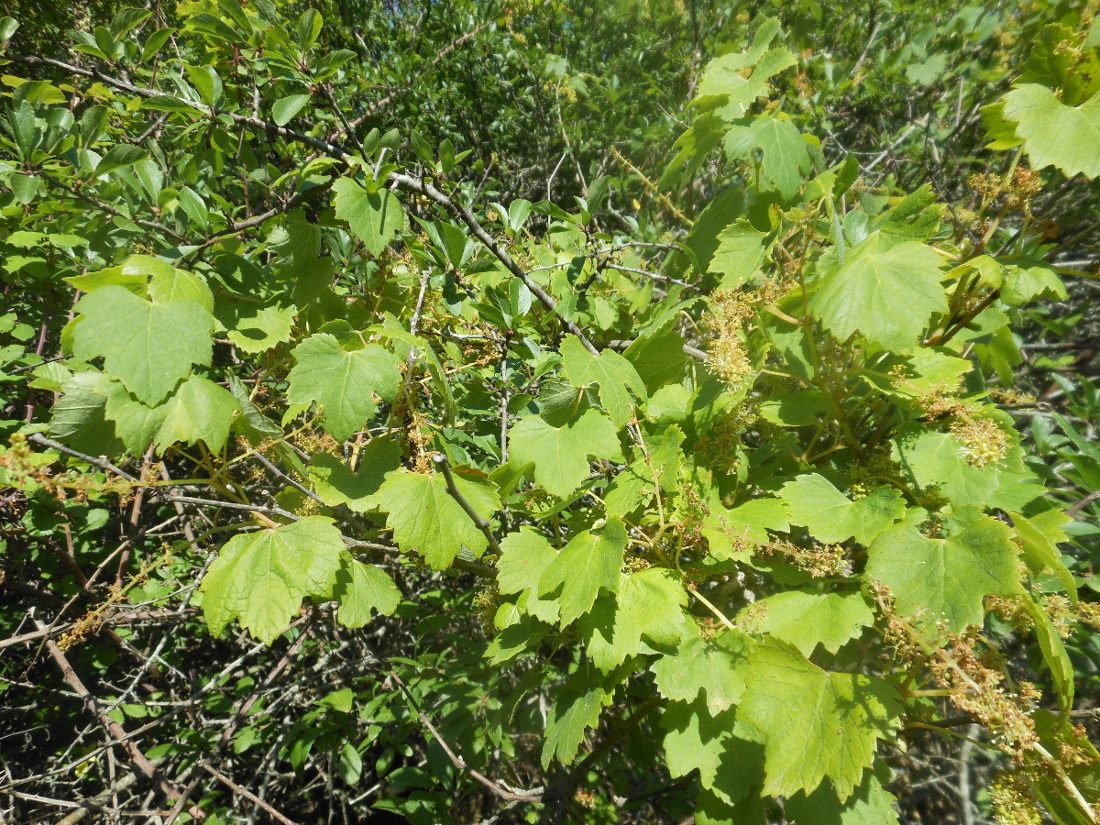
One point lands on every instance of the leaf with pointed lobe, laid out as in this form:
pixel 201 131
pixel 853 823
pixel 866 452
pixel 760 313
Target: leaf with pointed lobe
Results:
pixel 344 384
pixel 147 345
pixel 261 578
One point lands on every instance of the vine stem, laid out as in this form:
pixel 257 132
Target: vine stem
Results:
pixel 482 525
pixel 1066 781
pixel 710 606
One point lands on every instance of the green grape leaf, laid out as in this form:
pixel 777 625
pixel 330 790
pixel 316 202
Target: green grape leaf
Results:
pixel 361 590
pixel 731 533
pixel 343 383
pixel 629 490
pixel 148 346
pixel 658 356
pixel 1054 652
pixel 591 561
pixel 635 486
pixel 262 329
pixel 1023 284
pixel 814 724
pixel 575 710
pixel 199 410
pixel 716 745
pixel 261 578
pixel 934 372
pixel 1055 134
pixel 711 809
pixel 619 383
pixel 934 579
pixel 252 422
pixel 739 78
pixel 425 518
pixel 712 667
pixel 166 283
pixel 648 605
pixel 515 638
pixel 887 293
pixel 135 282
pixel 78 417
pixel 560 454
pixel 136 424
pixel 935 459
pixel 336 484
pixel 1039 537
pixel 807 620
pixel 374 217
pixel 523 559
pixel 830 516
pixel 870 804
pixel 740 254
pixel 692 148
pixel 784 155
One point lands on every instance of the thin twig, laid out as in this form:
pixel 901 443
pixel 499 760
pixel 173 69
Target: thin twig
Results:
pixel 247 794
pixel 116 731
pixel 510 794
pixel 422 187
pixel 100 462
pixel 482 525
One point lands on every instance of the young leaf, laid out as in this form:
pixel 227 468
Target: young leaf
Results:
pixel 374 217
pixel 830 516
pixel 343 383
pixel 199 410
pixel 148 346
pixel 588 563
pixel 934 579
pixel 362 589
pixel 261 578
pixel 887 293
pixel 813 724
pixel 617 379
pixel 424 517
pixel 807 620
pixel 560 454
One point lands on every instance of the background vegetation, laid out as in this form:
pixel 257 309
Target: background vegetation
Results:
pixel 539 412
